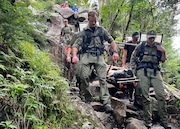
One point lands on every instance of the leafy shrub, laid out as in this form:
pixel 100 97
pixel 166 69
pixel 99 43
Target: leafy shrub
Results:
pixel 33 93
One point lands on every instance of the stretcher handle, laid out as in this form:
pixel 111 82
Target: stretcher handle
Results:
pixel 110 67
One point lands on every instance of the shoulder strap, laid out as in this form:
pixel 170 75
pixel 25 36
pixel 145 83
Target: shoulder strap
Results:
pixel 86 40
pixel 159 54
pixel 141 53
pixel 87 36
pixel 100 34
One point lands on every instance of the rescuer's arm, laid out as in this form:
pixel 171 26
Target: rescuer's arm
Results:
pixel 163 51
pixel 115 55
pixel 134 58
pixel 124 58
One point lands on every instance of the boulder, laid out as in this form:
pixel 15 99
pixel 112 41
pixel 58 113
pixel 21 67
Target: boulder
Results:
pixel 64 12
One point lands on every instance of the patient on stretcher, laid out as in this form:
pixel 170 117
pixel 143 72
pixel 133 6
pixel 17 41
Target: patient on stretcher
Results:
pixel 122 79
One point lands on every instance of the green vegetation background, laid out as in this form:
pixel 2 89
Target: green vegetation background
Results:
pixel 33 93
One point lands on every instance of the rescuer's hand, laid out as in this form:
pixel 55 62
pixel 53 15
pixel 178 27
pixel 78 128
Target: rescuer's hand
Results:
pixel 75 59
pixel 72 32
pixel 68 59
pixel 115 56
pixel 124 66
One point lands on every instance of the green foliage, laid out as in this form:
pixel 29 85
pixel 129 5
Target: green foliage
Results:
pixel 13 22
pixel 7 125
pixel 39 60
pixel 178 103
pixel 136 15
pixel 171 65
pixel 33 92
pixel 42 5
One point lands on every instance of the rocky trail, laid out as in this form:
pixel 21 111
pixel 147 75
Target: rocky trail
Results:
pixel 125 114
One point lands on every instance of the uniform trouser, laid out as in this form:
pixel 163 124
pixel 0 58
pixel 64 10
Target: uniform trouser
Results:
pixel 157 83
pixel 88 61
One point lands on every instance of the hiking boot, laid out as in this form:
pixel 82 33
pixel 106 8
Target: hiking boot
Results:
pixel 166 126
pixel 85 100
pixel 108 109
pixel 148 125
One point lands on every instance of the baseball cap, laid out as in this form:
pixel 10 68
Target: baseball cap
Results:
pixel 135 34
pixel 151 34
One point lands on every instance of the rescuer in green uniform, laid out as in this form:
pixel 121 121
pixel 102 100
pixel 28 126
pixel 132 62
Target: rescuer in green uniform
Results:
pixel 92 46
pixel 145 61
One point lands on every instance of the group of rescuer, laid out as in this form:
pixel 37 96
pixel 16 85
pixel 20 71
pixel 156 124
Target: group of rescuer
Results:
pixel 87 50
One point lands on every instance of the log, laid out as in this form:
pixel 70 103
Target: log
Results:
pixel 174 91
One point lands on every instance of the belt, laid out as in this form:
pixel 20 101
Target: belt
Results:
pixel 145 66
pixel 93 53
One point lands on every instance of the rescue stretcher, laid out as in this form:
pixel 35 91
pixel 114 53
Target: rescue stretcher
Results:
pixel 121 78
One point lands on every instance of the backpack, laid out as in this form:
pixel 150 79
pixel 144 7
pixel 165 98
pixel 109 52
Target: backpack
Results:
pixel 88 38
pixel 146 65
pixel 141 53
